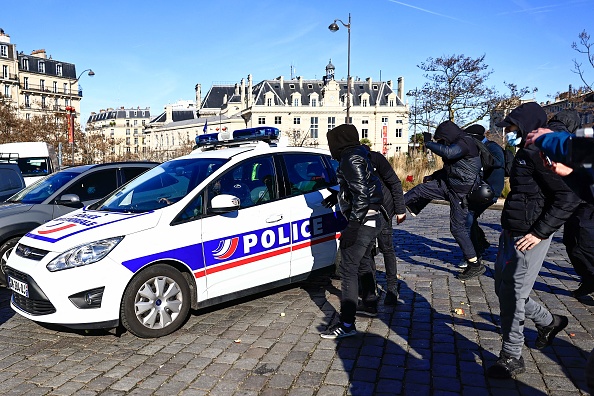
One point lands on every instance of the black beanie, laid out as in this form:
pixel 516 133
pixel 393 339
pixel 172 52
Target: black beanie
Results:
pixel 341 137
pixel 476 130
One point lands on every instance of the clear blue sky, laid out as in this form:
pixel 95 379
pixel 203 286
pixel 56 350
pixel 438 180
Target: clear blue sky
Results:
pixel 150 53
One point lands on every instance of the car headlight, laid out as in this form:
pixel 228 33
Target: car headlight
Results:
pixel 84 254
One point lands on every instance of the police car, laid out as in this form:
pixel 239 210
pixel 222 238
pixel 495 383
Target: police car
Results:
pixel 198 230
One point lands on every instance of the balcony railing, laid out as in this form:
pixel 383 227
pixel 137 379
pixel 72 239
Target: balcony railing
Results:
pixel 9 76
pixel 45 89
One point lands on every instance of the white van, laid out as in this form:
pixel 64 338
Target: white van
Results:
pixel 192 232
pixel 35 159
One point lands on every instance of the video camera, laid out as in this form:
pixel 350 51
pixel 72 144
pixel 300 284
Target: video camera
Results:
pixel 581 149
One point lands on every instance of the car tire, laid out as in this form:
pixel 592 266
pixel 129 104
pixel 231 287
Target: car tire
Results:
pixel 5 250
pixel 156 302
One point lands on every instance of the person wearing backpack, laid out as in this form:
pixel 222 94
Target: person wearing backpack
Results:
pixel 459 176
pixel 493 174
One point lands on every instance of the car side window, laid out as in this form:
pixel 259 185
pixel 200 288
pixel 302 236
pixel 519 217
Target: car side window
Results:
pixel 94 186
pixel 253 182
pixel 307 173
pixel 9 180
pixel 131 173
pixel 193 211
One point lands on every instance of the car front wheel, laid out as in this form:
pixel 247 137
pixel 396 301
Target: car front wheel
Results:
pixel 156 302
pixel 5 250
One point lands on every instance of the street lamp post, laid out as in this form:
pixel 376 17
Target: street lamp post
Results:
pixel 334 28
pixel 71 112
pixel 414 93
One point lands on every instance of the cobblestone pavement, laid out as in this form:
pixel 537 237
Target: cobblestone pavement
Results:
pixel 270 344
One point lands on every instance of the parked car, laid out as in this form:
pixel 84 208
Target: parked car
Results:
pixel 195 231
pixel 11 180
pixel 58 194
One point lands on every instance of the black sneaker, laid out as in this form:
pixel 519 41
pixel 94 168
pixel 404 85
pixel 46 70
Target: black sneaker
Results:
pixel 585 289
pixel 367 309
pixel 472 270
pixel 506 367
pixel 338 330
pixel 391 298
pixel 546 334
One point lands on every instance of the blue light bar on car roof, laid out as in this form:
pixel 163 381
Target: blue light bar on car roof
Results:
pixel 257 133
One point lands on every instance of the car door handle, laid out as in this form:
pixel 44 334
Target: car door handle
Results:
pixel 274 218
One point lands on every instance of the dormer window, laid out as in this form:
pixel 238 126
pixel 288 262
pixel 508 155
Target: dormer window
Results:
pixel 269 102
pixel 309 86
pixel 41 67
pixel 25 64
pixel 292 86
pixel 4 51
pixel 375 87
pixel 59 70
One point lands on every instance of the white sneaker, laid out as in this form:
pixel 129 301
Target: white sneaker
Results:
pixel 462 264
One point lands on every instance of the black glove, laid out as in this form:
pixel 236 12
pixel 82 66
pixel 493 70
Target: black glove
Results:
pixel 349 234
pixel 330 200
pixel 427 137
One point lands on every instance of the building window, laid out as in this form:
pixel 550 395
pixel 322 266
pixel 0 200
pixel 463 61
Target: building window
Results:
pixel 135 114
pixel 398 132
pixel 42 85
pixel 314 128
pixel 309 86
pixel 7 91
pixel 25 64
pixel 55 87
pixel 59 70
pixel 398 149
pixel 127 122
pixel 143 122
pixel 56 103
pixel 135 131
pixel 41 67
pixel 385 119
pixel 27 101
pixel 135 122
pixel 4 71
pixel 4 51
pixel 364 103
pixel 25 82
pixel 127 132
pixel 112 132
pixel 277 120
pixel 292 86
pixel 296 120
pixel 374 87
pixel 391 103
pixel 261 120
pixel 296 102
pixel 135 140
pixel 365 122
pixel 314 102
pixel 66 102
pixel 331 122
pixel 269 102
pixel 399 121
pixel 128 140
pixel 28 117
pixel 65 87
pixel 364 133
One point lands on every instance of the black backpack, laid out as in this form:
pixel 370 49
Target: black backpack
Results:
pixel 487 159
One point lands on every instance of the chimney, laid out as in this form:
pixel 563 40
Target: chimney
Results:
pixel 369 82
pixel 390 84
pixel 400 88
pixel 198 89
pixel 40 53
pixel 280 80
pixel 168 114
pixel 236 91
pixel 249 92
pixel 300 79
pixel 4 38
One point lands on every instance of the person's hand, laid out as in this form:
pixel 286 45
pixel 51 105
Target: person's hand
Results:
pixel 400 218
pixel 532 136
pixel 427 178
pixel 330 200
pixel 164 201
pixel 427 137
pixel 561 169
pixel 527 242
pixel 348 236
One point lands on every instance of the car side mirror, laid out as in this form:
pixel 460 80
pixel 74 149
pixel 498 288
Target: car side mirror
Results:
pixel 71 200
pixel 224 203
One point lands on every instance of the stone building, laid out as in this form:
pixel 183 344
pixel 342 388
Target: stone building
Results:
pixel 304 110
pixel 36 84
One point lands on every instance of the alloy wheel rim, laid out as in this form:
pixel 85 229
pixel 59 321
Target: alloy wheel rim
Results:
pixel 158 302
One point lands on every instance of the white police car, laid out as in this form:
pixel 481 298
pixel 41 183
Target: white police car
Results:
pixel 195 231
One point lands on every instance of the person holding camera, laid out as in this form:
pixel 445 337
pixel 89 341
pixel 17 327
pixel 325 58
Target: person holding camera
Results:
pixel 360 200
pixel 460 175
pixel 538 204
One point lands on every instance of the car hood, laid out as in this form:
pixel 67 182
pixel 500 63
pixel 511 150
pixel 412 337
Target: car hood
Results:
pixel 9 208
pixel 83 226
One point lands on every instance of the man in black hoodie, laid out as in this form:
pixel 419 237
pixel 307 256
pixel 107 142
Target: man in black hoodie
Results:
pixel 538 204
pixel 458 177
pixel 360 199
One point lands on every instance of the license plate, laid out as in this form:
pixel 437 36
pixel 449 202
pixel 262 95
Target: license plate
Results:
pixel 18 287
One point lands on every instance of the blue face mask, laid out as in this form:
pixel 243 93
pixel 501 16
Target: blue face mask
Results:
pixel 512 138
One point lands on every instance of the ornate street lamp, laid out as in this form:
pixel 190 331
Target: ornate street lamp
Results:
pixel 71 112
pixel 334 28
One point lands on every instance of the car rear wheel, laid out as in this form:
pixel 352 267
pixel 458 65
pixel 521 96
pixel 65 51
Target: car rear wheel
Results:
pixel 156 302
pixel 5 251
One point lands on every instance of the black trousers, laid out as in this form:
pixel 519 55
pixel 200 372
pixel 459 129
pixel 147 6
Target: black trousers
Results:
pixel 578 238
pixel 422 194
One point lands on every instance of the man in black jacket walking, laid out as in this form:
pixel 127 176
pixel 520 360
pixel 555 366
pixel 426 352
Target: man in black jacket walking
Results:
pixel 360 199
pixel 459 175
pixel 537 205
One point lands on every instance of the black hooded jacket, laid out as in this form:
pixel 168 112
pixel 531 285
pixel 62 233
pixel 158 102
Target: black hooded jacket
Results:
pixel 360 188
pixel 539 201
pixel 461 161
pixel 391 185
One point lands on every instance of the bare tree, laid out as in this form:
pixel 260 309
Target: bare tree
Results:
pixel 299 138
pixel 584 47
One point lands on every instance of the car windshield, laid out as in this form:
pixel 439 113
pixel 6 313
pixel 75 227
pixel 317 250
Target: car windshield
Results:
pixel 38 192
pixel 33 166
pixel 160 186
